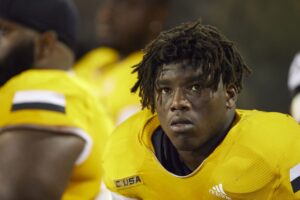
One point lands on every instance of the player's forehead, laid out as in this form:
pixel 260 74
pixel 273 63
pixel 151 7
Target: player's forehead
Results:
pixel 185 67
pixel 183 71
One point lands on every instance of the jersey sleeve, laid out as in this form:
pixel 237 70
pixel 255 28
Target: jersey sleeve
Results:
pixel 289 168
pixel 46 108
pixel 69 113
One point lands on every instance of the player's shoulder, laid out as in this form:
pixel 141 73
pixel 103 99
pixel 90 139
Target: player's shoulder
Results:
pixel 95 57
pixel 132 127
pixel 100 51
pixel 267 128
pixel 269 120
pixel 65 82
pixel 125 143
pixel 56 89
pixel 134 58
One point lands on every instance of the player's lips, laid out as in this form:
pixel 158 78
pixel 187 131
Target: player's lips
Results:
pixel 180 125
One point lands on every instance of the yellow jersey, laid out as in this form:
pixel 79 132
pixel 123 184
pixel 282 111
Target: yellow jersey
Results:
pixel 258 160
pixel 112 80
pixel 57 100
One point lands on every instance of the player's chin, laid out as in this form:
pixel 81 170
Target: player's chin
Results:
pixel 185 144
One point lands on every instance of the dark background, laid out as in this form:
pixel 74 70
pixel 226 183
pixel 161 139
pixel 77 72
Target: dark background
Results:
pixel 267 33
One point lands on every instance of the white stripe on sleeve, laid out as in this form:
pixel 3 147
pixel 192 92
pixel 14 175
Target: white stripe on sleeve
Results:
pixel 41 96
pixel 295 172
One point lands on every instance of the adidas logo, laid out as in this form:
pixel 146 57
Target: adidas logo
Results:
pixel 218 191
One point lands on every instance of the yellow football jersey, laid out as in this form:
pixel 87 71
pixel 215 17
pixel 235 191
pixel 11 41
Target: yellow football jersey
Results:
pixel 258 160
pixel 112 80
pixel 57 100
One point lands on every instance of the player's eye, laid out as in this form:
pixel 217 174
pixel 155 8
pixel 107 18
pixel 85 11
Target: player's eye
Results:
pixel 165 90
pixel 195 88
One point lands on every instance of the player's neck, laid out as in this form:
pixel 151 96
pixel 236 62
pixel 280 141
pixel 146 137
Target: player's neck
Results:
pixel 190 159
pixel 193 158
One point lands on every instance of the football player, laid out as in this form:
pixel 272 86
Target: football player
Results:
pixel 194 143
pixel 52 130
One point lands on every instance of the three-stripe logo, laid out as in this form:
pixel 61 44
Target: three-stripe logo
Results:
pixel 218 191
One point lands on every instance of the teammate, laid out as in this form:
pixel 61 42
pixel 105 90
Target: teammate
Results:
pixel 294 87
pixel 124 28
pixel 52 130
pixel 199 146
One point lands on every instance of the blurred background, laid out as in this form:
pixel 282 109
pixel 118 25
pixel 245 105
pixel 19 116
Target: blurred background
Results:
pixel 267 33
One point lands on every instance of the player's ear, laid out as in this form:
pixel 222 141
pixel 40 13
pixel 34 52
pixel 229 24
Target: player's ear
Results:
pixel 231 96
pixel 46 44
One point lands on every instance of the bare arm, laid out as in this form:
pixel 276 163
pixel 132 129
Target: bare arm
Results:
pixel 36 164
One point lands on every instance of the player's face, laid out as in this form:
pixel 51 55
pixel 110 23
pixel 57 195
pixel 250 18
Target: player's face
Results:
pixel 16 49
pixel 189 114
pixel 124 24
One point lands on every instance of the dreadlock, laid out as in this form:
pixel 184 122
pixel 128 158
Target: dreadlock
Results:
pixel 203 46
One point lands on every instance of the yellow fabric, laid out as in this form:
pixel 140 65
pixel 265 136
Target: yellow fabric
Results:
pixel 112 80
pixel 252 162
pixel 82 112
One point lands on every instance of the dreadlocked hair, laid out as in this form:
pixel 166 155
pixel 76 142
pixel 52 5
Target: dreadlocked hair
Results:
pixel 203 46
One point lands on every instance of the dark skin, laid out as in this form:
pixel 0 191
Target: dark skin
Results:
pixel 35 163
pixel 127 25
pixel 14 51
pixel 194 118
pixel 22 48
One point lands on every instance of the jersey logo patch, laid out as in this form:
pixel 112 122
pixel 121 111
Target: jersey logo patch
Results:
pixel 295 178
pixel 218 191
pixel 128 182
pixel 39 99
